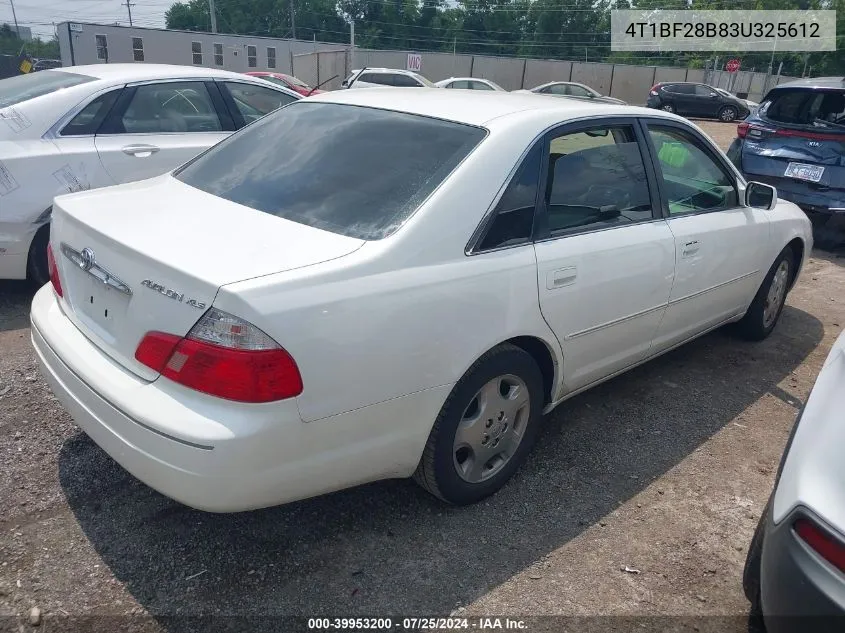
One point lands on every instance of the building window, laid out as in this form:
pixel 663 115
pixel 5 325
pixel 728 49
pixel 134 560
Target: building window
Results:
pixel 251 56
pixel 102 47
pixel 218 54
pixel 138 49
pixel 196 52
pixel 271 57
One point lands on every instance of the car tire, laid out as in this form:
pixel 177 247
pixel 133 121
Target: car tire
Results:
pixel 728 114
pixel 485 429
pixel 667 107
pixel 751 573
pixel 765 310
pixel 37 271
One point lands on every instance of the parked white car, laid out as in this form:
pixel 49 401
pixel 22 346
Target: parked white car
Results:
pixel 85 127
pixel 795 569
pixel 381 77
pixel 469 83
pixel 403 287
pixel 572 89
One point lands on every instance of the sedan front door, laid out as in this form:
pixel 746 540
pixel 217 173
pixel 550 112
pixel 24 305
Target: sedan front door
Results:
pixel 718 242
pixel 155 127
pixel 605 256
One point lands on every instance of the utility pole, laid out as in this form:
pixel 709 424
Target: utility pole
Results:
pixel 213 16
pixel 129 6
pixel 292 20
pixel 15 17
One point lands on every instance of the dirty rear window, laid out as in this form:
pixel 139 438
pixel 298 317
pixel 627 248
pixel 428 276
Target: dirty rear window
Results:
pixel 817 108
pixel 353 170
pixel 20 88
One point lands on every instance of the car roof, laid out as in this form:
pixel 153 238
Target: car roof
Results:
pixel 814 82
pixel 142 72
pixel 476 108
pixel 386 70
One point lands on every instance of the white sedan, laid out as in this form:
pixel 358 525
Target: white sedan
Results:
pixel 85 127
pixel 469 83
pixel 274 321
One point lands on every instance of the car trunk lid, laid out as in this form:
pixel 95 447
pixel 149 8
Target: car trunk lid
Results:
pixel 151 255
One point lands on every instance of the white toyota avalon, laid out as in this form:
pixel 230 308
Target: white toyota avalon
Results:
pixel 384 283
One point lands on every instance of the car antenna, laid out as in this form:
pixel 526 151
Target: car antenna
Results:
pixel 322 83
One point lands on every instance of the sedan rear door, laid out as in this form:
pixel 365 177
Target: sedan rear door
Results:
pixel 156 126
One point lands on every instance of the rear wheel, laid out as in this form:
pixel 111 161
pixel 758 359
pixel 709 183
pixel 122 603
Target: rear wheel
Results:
pixel 485 429
pixel 727 114
pixel 766 308
pixel 667 107
pixel 36 266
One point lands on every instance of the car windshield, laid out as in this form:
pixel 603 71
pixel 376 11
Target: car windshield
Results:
pixel 297 82
pixel 353 170
pixel 20 88
pixel 816 108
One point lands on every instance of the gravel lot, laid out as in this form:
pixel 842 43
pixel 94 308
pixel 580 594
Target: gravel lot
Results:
pixel 663 470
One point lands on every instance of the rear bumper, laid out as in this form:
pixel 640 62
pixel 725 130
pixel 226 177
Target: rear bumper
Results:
pixel 216 455
pixel 799 591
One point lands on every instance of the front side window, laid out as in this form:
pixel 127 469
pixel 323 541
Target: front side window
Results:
pixel 271 57
pixel 89 119
pixel 703 91
pixel 138 49
pixel 253 102
pixel 183 106
pixel 693 180
pixel 218 54
pixel 352 170
pixel 252 56
pixel 514 215
pixel 102 47
pixel 596 179
pixel 196 53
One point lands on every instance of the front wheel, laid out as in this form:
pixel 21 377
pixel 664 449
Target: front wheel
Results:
pixel 727 114
pixel 766 308
pixel 485 429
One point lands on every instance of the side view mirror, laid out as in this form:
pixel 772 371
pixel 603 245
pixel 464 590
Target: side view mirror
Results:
pixel 760 196
pixel 713 95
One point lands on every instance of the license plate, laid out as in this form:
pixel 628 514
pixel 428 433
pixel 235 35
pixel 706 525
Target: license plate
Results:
pixel 104 307
pixel 813 173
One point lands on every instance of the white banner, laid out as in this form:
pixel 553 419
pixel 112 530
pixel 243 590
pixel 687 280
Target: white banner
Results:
pixel 657 30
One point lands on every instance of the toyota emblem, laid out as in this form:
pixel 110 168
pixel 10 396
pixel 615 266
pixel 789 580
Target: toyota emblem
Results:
pixel 88 259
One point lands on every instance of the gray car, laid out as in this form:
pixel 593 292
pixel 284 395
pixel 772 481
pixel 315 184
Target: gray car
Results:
pixel 572 89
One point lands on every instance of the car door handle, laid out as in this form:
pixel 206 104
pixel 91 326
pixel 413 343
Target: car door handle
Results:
pixel 140 151
pixel 691 248
pixel 561 277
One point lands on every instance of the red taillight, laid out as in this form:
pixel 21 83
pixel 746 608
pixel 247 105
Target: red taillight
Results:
pixel 823 543
pixel 742 130
pixel 225 357
pixel 653 90
pixel 54 271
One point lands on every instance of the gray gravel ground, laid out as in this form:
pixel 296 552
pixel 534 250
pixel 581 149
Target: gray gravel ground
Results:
pixel 663 470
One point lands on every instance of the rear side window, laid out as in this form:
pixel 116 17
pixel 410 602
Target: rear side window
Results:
pixel 596 179
pixel 90 118
pixel 680 89
pixel 22 88
pixel 807 107
pixel 404 81
pixel 171 107
pixel 376 78
pixel 356 171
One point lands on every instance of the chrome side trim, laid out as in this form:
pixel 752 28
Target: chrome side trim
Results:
pixel 602 326
pixel 711 288
pixel 652 356
pixel 85 261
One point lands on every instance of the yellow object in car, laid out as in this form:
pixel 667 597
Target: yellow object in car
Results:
pixel 673 154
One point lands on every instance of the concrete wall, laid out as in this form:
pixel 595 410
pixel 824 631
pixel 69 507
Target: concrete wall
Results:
pixel 541 71
pixel 631 83
pixel 597 76
pixel 317 61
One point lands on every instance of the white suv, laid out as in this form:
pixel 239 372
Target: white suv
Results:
pixel 381 77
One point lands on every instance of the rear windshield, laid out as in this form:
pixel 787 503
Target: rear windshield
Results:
pixel 816 108
pixel 357 171
pixel 20 88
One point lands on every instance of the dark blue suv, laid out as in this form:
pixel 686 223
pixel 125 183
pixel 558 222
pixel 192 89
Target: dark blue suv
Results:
pixel 796 142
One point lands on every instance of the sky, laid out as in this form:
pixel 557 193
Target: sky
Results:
pixel 40 15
